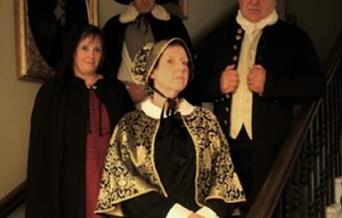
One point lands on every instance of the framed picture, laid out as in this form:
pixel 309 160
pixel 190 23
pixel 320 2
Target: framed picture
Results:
pixel 177 7
pixel 41 26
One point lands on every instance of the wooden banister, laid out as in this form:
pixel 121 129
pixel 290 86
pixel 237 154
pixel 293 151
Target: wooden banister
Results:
pixel 271 192
pixel 13 200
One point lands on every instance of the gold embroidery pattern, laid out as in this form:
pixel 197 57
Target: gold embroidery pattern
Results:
pixel 129 170
pixel 216 178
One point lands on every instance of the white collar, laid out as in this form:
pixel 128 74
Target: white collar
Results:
pixel 152 110
pixel 131 13
pixel 249 26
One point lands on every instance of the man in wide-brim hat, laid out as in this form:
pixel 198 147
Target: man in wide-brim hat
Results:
pixel 141 22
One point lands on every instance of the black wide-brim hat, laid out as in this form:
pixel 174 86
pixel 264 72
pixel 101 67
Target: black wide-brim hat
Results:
pixel 126 2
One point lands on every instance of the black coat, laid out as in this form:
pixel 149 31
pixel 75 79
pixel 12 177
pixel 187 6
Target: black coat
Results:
pixel 293 75
pixel 114 32
pixel 59 125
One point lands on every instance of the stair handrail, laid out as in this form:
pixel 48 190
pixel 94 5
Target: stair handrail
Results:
pixel 271 191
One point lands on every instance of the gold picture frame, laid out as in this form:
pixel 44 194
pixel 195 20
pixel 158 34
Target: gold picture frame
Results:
pixel 30 63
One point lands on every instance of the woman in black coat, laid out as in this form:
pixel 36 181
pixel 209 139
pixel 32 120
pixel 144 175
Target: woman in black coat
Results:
pixel 72 119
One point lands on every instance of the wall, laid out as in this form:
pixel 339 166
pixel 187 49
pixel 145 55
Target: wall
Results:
pixel 16 99
pixel 320 19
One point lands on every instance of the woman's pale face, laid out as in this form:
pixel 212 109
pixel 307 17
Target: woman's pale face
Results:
pixel 144 6
pixel 87 56
pixel 171 74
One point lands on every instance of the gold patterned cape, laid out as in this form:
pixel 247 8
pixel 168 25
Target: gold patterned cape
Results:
pixel 130 170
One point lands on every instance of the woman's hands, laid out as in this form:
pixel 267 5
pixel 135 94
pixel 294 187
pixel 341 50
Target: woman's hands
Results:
pixel 195 215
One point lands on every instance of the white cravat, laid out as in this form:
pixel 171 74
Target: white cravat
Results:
pixel 242 98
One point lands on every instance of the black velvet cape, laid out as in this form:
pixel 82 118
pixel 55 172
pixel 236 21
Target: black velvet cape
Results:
pixel 59 125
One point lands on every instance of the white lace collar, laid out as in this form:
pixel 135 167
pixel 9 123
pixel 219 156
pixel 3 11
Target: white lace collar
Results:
pixel 131 13
pixel 152 110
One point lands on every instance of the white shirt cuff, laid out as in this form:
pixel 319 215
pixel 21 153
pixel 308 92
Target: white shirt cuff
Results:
pixel 207 212
pixel 178 211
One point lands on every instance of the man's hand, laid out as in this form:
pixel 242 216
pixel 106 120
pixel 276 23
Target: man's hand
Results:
pixel 256 79
pixel 136 92
pixel 229 80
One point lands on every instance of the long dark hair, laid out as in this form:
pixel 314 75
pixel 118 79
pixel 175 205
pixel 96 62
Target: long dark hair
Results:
pixel 65 69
